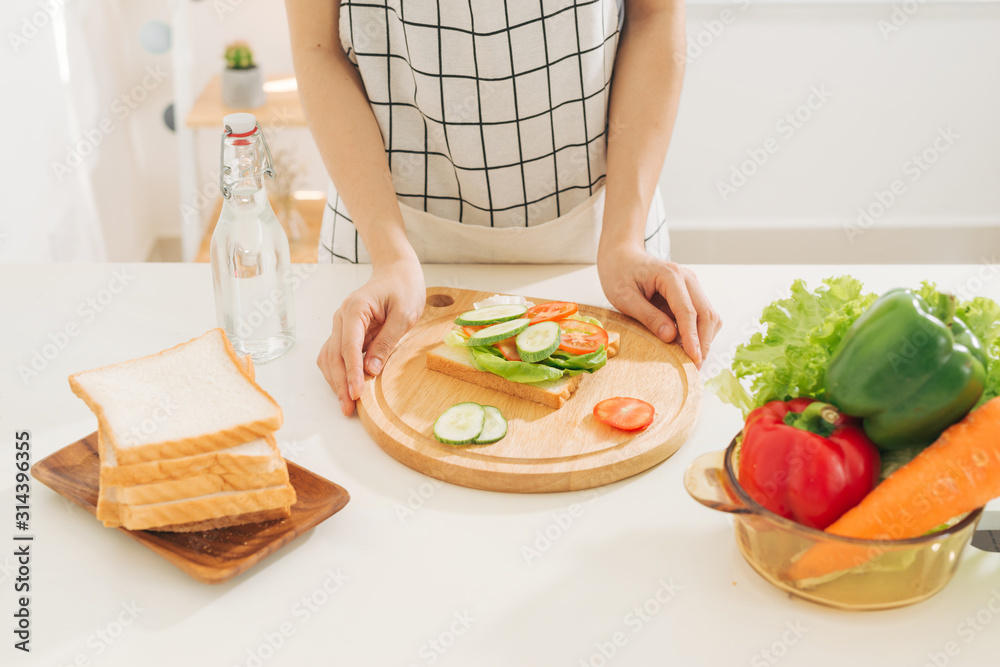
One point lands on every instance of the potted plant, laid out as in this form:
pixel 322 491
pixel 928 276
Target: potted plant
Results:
pixel 242 80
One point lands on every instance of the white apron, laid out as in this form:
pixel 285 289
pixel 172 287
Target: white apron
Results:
pixel 569 239
pixel 494 120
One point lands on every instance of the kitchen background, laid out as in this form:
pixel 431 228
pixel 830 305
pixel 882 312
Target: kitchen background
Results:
pixel 831 132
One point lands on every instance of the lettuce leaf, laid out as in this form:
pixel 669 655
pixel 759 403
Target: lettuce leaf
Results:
pixel 790 360
pixel 455 339
pixel 894 459
pixel 728 388
pixel 575 364
pixel 490 359
pixel 982 316
pixel 585 318
pixel 559 363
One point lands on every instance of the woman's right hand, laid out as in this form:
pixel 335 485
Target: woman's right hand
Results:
pixel 368 325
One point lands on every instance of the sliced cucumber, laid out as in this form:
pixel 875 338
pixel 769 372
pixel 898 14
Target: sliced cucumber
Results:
pixel 460 424
pixel 491 315
pixel 498 332
pixel 538 341
pixel 495 427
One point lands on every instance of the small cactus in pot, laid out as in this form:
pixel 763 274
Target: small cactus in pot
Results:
pixel 239 56
pixel 242 80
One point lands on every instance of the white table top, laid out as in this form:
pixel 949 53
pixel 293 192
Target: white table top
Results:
pixel 447 583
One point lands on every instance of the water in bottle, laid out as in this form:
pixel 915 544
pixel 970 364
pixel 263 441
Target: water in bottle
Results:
pixel 250 258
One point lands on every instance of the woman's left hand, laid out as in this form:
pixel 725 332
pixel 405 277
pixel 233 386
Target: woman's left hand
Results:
pixel 665 297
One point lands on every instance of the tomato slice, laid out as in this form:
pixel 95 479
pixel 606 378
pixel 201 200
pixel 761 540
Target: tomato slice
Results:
pixel 469 330
pixel 508 348
pixel 627 414
pixel 553 310
pixel 581 337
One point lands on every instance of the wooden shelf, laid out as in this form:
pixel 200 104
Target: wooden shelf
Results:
pixel 303 249
pixel 283 108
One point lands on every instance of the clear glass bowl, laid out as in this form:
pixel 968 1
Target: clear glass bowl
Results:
pixel 841 572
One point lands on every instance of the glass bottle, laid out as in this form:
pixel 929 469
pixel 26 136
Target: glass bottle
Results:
pixel 250 258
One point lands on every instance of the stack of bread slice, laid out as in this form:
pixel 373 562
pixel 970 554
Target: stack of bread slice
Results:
pixel 185 439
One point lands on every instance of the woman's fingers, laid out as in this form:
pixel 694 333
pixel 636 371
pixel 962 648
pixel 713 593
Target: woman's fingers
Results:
pixel 353 338
pixel 672 285
pixel 331 363
pixel 654 319
pixel 367 326
pixel 384 343
pixel 665 297
pixel 709 322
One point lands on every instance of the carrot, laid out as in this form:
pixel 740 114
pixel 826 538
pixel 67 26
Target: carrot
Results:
pixel 955 475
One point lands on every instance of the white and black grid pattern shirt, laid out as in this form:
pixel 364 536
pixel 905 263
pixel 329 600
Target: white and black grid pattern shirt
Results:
pixel 493 113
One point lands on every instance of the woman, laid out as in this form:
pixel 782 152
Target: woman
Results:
pixel 489 131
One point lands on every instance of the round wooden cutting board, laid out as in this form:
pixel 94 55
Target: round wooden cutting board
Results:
pixel 545 449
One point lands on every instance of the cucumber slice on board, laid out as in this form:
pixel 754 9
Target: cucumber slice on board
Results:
pixel 460 424
pixel 495 427
pixel 538 341
pixel 491 315
pixel 497 332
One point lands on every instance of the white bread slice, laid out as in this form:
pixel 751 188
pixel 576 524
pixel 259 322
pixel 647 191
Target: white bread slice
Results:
pixel 108 508
pixel 246 362
pixel 109 511
pixel 250 458
pixel 190 399
pixel 201 508
pixel 199 485
pixel 457 362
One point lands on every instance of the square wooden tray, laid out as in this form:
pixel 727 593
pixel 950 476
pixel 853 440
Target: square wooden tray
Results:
pixel 211 556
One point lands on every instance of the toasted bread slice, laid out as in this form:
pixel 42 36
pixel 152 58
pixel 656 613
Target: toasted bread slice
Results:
pixel 112 511
pixel 257 457
pixel 200 485
pixel 457 362
pixel 109 511
pixel 218 505
pixel 190 399
pixel 226 521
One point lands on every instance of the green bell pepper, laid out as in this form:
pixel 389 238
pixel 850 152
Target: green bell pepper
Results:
pixel 909 368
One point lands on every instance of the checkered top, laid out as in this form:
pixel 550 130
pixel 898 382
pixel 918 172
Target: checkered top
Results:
pixel 493 113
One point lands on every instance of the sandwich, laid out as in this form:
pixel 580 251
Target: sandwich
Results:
pixel 537 352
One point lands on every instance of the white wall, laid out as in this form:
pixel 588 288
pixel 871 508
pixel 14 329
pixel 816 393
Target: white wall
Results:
pixel 889 97
pixel 261 23
pixel 892 87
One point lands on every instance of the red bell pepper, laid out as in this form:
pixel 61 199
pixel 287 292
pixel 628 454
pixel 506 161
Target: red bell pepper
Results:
pixel 806 461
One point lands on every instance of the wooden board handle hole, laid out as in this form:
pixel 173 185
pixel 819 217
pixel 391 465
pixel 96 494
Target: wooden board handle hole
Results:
pixel 439 300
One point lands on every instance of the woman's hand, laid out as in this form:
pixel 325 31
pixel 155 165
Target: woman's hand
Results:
pixel 368 325
pixel 665 297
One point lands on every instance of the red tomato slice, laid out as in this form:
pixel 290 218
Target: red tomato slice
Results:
pixel 553 310
pixel 627 414
pixel 581 337
pixel 469 330
pixel 508 348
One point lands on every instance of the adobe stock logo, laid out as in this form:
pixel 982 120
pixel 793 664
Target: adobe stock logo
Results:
pixel 87 311
pixel 786 127
pixel 30 25
pixel 121 107
pixel 913 169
